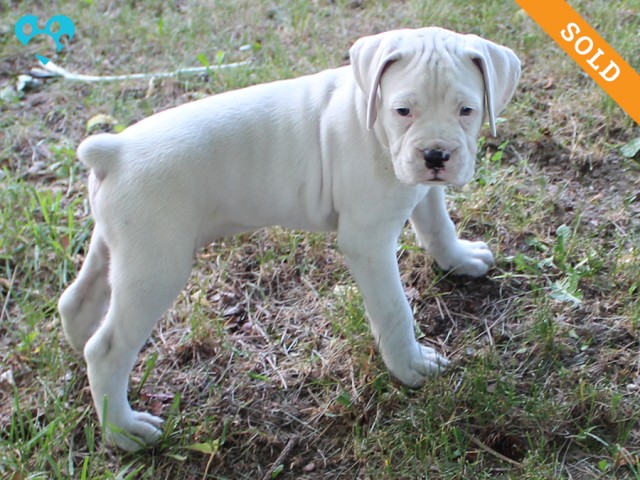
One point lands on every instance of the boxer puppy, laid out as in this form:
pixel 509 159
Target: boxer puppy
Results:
pixel 357 150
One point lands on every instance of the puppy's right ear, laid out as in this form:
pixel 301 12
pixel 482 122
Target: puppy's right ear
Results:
pixel 370 57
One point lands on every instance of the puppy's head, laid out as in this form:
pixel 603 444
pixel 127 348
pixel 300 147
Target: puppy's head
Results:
pixel 428 91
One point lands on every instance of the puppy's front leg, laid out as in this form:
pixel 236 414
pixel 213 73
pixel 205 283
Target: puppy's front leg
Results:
pixel 437 234
pixel 371 257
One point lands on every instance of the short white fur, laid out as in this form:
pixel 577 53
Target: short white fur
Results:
pixel 323 152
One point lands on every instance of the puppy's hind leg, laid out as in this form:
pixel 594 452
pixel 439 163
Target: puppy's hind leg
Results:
pixel 146 277
pixel 84 303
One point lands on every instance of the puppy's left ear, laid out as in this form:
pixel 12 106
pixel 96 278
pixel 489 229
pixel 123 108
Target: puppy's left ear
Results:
pixel 370 57
pixel 500 69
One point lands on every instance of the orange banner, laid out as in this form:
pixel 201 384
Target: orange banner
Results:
pixel 589 50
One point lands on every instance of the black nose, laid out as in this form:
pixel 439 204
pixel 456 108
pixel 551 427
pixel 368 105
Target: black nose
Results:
pixel 434 159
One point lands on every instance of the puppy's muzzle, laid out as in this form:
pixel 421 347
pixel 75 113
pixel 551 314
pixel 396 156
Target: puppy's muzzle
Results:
pixel 435 159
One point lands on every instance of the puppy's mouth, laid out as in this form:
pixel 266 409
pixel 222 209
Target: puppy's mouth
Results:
pixel 442 177
pixel 435 179
pixel 426 167
pixel 431 178
pixel 443 167
pixel 437 175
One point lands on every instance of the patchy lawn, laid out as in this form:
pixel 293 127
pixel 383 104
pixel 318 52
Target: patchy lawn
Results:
pixel 265 367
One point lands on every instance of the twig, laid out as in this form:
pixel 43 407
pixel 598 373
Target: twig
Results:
pixel 304 424
pixel 283 455
pixel 9 284
pixel 53 70
pixel 491 451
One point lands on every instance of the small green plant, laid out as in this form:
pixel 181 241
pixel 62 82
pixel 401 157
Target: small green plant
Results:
pixel 488 159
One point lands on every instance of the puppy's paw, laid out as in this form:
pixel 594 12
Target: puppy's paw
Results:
pixel 467 258
pixel 138 431
pixel 423 363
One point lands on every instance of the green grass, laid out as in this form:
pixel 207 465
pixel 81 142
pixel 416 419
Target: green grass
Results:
pixel 267 351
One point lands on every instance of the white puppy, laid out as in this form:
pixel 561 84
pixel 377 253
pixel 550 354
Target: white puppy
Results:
pixel 358 150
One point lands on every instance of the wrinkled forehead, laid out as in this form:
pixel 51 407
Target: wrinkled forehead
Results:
pixel 435 66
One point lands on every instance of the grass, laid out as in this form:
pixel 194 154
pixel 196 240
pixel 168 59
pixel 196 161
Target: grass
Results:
pixel 265 368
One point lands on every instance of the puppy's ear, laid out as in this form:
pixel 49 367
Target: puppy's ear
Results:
pixel 500 69
pixel 370 57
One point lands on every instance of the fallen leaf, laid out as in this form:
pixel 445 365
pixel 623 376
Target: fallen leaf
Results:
pixel 210 448
pixel 631 149
pixel 100 120
pixel 233 310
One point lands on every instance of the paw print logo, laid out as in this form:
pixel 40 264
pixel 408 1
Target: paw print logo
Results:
pixel 25 34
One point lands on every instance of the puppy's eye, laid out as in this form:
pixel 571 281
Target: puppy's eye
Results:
pixel 403 111
pixel 466 111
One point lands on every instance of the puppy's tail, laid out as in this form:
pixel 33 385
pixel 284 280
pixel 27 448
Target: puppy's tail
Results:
pixel 101 153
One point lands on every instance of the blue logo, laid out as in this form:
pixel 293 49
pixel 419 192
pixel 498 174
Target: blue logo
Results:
pixel 65 27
